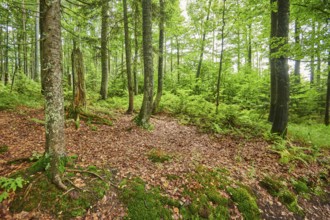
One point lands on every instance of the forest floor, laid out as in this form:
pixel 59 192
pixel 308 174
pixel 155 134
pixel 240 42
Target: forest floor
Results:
pixel 124 147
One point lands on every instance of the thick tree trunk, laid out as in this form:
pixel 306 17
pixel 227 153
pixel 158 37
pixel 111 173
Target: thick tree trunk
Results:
pixel 52 72
pixel 160 56
pixel 104 50
pixel 282 101
pixel 297 42
pixel 79 87
pixel 272 51
pixel 327 105
pixel 146 108
pixel 128 62
pixel 198 73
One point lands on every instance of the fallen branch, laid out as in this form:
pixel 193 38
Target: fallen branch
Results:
pixel 85 171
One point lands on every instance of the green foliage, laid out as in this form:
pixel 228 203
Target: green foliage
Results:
pixel 158 156
pixel 317 135
pixel 142 203
pixel 290 153
pixel 8 185
pixel 246 203
pixel 26 93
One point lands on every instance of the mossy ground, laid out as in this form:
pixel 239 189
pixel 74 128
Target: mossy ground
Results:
pixel 85 188
pixel 3 149
pixel 205 193
pixel 279 189
pixel 158 156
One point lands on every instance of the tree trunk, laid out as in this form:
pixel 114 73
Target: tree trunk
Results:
pixel 327 105
pixel 178 58
pixel 25 58
pixel 136 49
pixel 160 56
pixel 272 51
pixel 146 108
pixel 128 62
pixel 221 55
pixel 36 49
pixel 297 41
pixel 52 72
pixel 249 47
pixel 312 65
pixel 198 73
pixel 282 101
pixel 79 87
pixel 6 77
pixel 104 50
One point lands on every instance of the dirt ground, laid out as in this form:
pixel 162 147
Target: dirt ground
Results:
pixel 123 147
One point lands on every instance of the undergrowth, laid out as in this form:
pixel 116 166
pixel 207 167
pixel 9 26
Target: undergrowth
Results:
pixel 85 188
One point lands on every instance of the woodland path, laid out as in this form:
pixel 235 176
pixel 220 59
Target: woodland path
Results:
pixel 123 147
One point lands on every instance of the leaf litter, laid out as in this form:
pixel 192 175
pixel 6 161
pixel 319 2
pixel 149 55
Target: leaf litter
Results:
pixel 124 147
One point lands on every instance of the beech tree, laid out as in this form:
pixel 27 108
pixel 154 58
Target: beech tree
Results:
pixel 104 50
pixel 281 111
pixel 51 67
pixel 160 56
pixel 146 108
pixel 128 61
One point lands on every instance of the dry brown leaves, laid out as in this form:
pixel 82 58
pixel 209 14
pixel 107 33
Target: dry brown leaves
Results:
pixel 125 147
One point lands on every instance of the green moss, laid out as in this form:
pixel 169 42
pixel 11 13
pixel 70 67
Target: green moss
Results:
pixel 272 185
pixel 42 194
pixel 158 156
pixel 246 202
pixel 278 189
pixel 142 203
pixel 3 149
pixel 300 187
pixel 290 201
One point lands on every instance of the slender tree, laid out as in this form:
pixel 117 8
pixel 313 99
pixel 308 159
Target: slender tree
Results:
pixel 272 49
pixel 297 42
pixel 198 73
pixel 146 108
pixel 128 62
pixel 160 56
pixel 221 55
pixel 327 105
pixel 104 50
pixel 281 64
pixel 51 66
pixel 136 48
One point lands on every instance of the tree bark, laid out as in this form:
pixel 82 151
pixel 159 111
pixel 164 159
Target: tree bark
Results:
pixel 281 64
pixel 327 105
pixel 36 49
pixel 221 55
pixel 272 51
pixel 104 50
pixel 160 56
pixel 128 62
pixel 51 66
pixel 79 87
pixel 146 108
pixel 297 42
pixel 198 73
pixel 136 49
pixel 178 58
